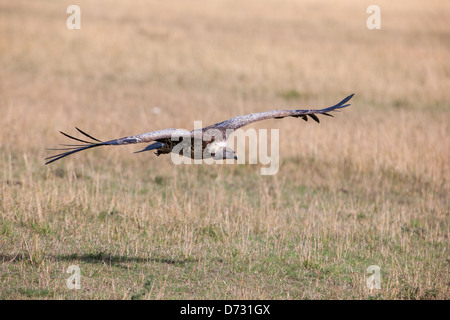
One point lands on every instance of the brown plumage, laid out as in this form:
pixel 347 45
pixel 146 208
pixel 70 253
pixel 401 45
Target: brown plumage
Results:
pixel 213 138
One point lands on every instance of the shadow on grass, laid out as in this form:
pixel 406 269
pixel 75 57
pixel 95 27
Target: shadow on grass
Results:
pixel 8 258
pixel 101 257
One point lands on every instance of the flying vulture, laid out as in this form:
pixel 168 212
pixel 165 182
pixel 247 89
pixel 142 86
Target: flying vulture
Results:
pixel 211 139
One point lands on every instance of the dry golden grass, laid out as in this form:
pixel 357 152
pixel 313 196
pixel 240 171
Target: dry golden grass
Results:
pixel 368 187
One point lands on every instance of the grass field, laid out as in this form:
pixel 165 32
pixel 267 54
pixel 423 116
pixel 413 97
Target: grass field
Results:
pixel 367 187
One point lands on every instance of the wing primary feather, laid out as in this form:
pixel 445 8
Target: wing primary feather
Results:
pixel 312 115
pixel 62 149
pixel 87 135
pixel 69 136
pixel 65 154
pixel 340 104
pixel 74 148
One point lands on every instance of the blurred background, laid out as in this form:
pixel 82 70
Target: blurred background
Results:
pixel 139 66
pixel 212 60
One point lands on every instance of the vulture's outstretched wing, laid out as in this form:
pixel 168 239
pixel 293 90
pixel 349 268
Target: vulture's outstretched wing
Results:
pixel 140 138
pixel 240 121
pixel 162 136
